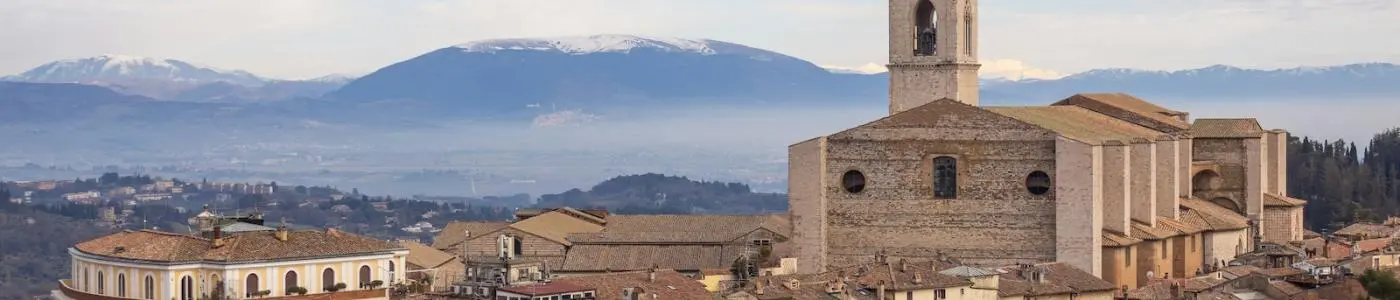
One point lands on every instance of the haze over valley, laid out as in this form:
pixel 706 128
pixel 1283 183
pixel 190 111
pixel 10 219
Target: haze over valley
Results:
pixel 536 116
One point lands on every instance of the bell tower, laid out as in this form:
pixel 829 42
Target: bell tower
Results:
pixel 933 52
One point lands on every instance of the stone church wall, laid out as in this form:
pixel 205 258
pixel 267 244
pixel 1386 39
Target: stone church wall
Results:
pixel 993 220
pixel 806 207
pixel 1230 155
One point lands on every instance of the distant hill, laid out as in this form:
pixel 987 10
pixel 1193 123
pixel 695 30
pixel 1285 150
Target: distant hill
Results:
pixel 655 193
pixel 602 70
pixel 1369 80
pixel 169 79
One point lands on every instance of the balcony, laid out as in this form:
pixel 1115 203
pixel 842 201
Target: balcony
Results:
pixel 381 293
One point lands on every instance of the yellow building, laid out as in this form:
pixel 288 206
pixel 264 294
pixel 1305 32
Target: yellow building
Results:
pixel 247 261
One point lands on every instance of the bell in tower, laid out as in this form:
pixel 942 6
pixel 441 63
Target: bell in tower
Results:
pixel 932 52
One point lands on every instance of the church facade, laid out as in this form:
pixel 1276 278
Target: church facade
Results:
pixel 1093 180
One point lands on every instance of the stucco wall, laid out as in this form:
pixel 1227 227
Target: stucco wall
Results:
pixel 1223 246
pixel 806 204
pixel 270 276
pixel 1120 266
pixel 1150 257
pixel 1079 205
pixel 1188 255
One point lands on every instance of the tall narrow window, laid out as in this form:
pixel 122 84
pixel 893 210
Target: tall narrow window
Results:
pixel 86 287
pixel 945 177
pixel 327 279
pixel 290 280
pixel 251 285
pixel 391 271
pixel 121 285
pixel 149 290
pixel 519 246
pixel 101 284
pixel 967 33
pixel 364 277
pixel 186 288
pixel 925 29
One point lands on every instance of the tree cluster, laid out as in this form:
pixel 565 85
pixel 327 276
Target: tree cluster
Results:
pixel 1343 183
pixel 661 194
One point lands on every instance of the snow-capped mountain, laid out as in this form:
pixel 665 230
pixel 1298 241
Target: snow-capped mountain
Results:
pixel 338 78
pixel 111 68
pixel 584 71
pixel 1218 81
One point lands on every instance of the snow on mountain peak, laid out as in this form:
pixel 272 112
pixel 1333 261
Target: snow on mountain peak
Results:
pixel 117 67
pixel 606 43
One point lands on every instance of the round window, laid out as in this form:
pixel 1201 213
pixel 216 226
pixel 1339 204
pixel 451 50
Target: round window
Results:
pixel 1038 183
pixel 853 181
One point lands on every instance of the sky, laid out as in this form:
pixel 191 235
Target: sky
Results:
pixel 295 39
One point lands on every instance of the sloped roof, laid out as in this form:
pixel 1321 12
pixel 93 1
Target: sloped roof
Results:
pixel 164 247
pixel 698 223
pixel 1115 239
pixel 1209 215
pixel 1227 128
pixel 1366 230
pixel 669 284
pixel 1276 200
pixel 456 232
pixel 1178 227
pixel 555 226
pixel 900 276
pixel 1058 278
pixel 1369 245
pixel 423 256
pixel 1130 104
pixel 1146 232
pixel 1079 124
pixel 967 271
pixel 586 257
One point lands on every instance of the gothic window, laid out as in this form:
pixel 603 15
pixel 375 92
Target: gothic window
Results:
pixel 945 177
pixel 967 33
pixel 853 181
pixel 1038 183
pixel 925 28
pixel 251 286
pixel 327 279
pixel 150 288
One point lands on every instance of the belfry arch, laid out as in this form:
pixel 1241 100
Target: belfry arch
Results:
pixel 925 28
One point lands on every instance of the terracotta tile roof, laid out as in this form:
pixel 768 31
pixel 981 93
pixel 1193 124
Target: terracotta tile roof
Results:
pixel 167 247
pixel 1178 227
pixel 1205 214
pixel 424 256
pixel 1279 272
pixel 669 284
pixel 1226 128
pixel 555 226
pixel 1056 278
pixel 1335 249
pixel 663 237
pixel 581 258
pixel 1078 123
pixel 456 232
pixel 900 276
pixel 1239 271
pixel 1115 239
pixel 547 289
pixel 1144 232
pixel 1285 287
pixel 732 224
pixel 1101 102
pixel 1271 199
pixel 1369 245
pixel 1366 230
pixel 552 262
pixel 1199 284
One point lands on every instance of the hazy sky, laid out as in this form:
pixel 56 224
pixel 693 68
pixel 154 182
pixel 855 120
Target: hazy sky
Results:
pixel 1039 38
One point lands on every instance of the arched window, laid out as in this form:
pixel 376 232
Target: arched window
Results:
pixel 1205 181
pixel 186 288
pixel 86 287
pixel 250 285
pixel 290 280
pixel 149 288
pixel 364 277
pixel 121 285
pixel 391 270
pixel 925 28
pixel 101 284
pixel 327 278
pixel 218 291
pixel 945 177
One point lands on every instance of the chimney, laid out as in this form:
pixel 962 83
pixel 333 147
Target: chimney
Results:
pixel 218 232
pixel 281 233
pixel 1176 290
pixel 651 275
pixel 918 277
pixel 903 265
pixel 758 287
pixel 793 284
pixel 1326 244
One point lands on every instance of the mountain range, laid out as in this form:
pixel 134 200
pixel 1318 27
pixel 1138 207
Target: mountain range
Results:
pixel 602 72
